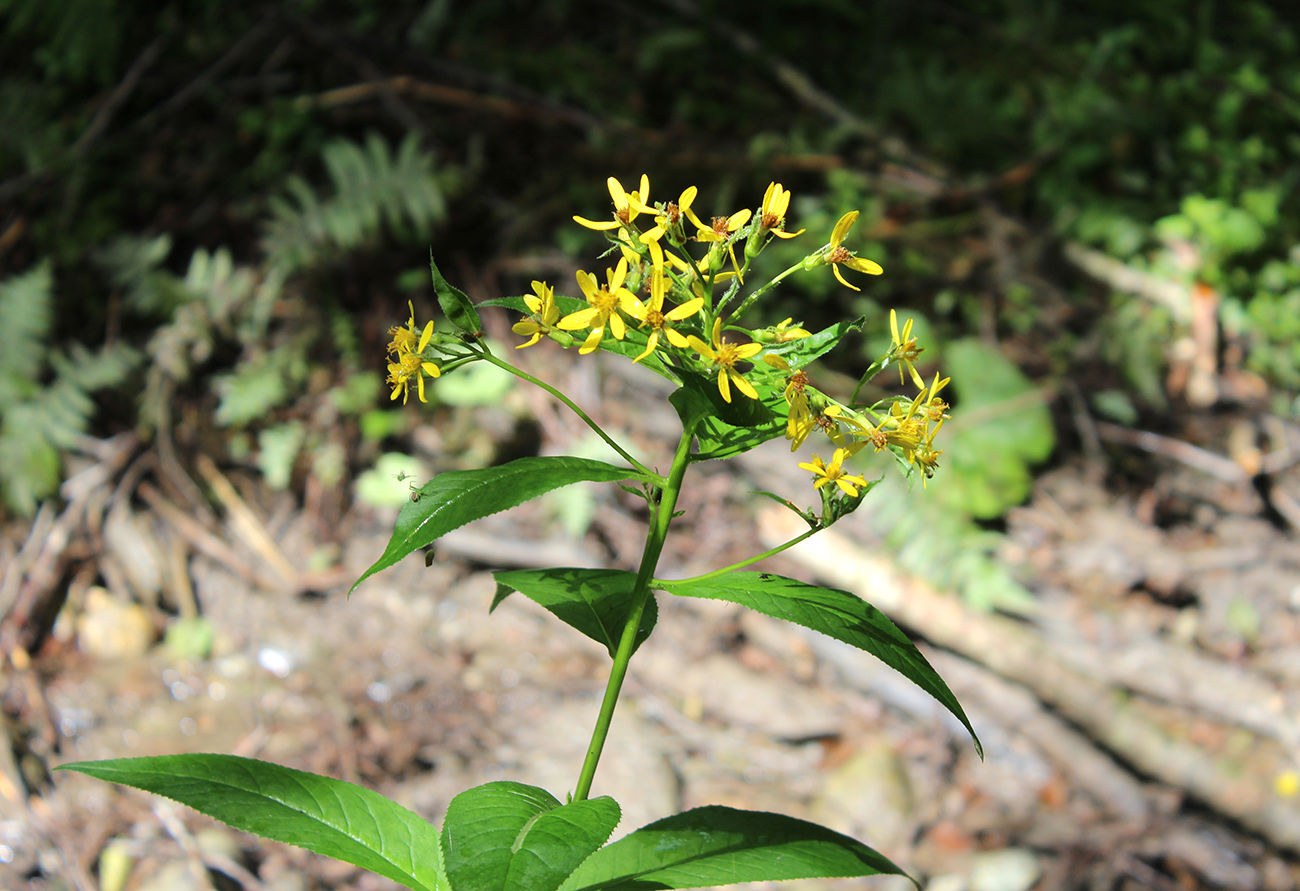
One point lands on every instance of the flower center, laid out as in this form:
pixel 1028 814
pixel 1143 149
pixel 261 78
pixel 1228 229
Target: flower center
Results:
pixel 604 301
pixel 839 255
pixel 655 319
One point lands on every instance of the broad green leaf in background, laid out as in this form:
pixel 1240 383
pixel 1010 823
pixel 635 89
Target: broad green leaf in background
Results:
pixel 510 836
pixel 455 303
pixel 835 613
pixel 594 601
pixel 331 817
pixel 1000 426
pixel 452 499
pixel 722 846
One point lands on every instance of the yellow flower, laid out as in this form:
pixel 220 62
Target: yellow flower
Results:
pixel 669 220
pixel 724 356
pixel 801 420
pixel 604 307
pixel 404 339
pixel 834 473
pixel 652 314
pixel 904 350
pixel 935 409
pixel 776 201
pixel 626 205
pixel 720 232
pixel 545 315
pixel 837 253
pixel 410 364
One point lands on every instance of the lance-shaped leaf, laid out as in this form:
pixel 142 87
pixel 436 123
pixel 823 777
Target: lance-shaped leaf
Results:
pixel 510 836
pixel 337 819
pixel 455 303
pixel 452 499
pixel 723 846
pixel 595 601
pixel 835 613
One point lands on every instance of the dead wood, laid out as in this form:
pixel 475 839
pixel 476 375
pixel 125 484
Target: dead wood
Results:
pixel 1016 651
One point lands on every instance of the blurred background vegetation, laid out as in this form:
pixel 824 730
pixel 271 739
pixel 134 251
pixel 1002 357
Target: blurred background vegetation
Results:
pixel 210 213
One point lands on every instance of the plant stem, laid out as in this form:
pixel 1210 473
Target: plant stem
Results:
pixel 520 373
pixel 743 563
pixel 641 592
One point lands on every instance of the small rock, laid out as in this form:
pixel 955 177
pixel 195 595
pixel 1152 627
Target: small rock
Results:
pixel 1011 869
pixel 110 629
pixel 869 796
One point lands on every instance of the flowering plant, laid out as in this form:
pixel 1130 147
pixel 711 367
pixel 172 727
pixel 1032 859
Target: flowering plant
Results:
pixel 674 302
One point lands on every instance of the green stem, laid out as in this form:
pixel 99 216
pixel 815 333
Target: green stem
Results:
pixel 749 301
pixel 520 373
pixel 654 545
pixel 742 564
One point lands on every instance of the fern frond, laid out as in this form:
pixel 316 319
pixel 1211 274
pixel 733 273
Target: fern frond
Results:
pixel 372 188
pixel 25 317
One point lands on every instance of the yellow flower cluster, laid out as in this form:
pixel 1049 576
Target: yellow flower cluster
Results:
pixel 408 362
pixel 663 286
pixel 657 261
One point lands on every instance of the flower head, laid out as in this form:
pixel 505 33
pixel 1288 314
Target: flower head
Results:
pixel 404 339
pixel 653 314
pixel 723 356
pixel 603 309
pixel 838 254
pixel 626 205
pixel 720 231
pixel 410 361
pixel 776 201
pixel 904 350
pixel 545 315
pixel 668 220
pixel 834 473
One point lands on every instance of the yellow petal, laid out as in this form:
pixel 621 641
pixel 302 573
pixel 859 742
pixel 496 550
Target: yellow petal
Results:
pixel 743 386
pixel 861 264
pixel 592 224
pixel 842 227
pixel 835 267
pixel 580 319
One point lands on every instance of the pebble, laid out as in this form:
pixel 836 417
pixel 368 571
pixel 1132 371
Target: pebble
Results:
pixel 1011 869
pixel 108 628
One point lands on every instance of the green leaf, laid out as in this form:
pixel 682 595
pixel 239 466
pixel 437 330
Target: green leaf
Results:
pixel 799 353
pixel 741 411
pixel 452 499
pixel 594 601
pixel 330 817
pixel 1000 427
pixel 835 613
pixel 722 846
pixel 455 303
pixel 508 835
pixel 717 438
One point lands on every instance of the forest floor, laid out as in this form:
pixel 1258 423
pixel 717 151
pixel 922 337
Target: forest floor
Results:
pixel 1139 722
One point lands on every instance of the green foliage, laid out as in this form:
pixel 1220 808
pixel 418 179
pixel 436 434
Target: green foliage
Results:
pixel 45 389
pixel 508 835
pixel 372 187
pixel 723 846
pixel 327 816
pixel 830 611
pixel 594 601
pixel 452 499
pixel 1000 430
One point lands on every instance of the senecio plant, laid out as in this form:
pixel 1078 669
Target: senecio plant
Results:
pixel 674 301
